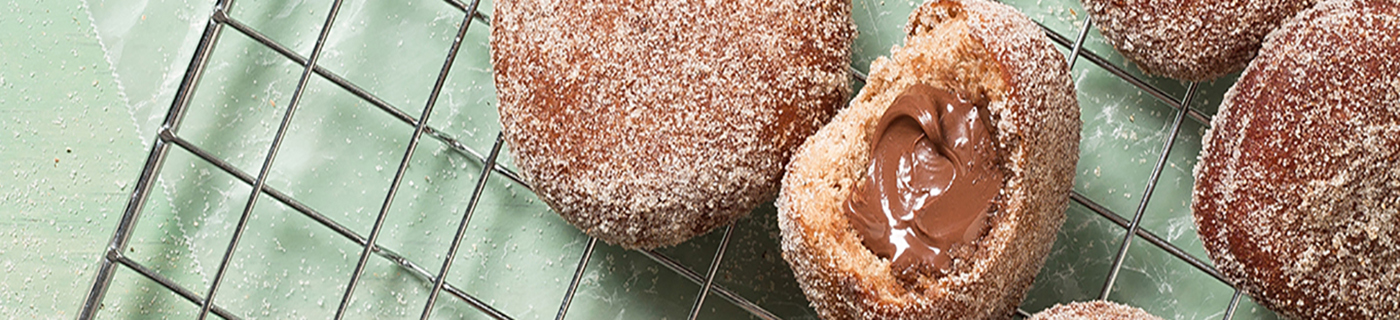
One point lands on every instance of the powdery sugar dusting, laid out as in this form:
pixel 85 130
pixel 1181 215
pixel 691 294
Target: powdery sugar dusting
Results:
pixel 645 123
pixel 1192 40
pixel 971 46
pixel 1298 188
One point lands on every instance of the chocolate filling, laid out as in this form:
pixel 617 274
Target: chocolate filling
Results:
pixel 932 179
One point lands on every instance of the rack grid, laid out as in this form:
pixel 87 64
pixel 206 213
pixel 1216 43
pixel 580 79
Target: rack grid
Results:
pixel 168 137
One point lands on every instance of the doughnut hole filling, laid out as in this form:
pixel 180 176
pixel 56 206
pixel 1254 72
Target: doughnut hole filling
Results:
pixel 932 181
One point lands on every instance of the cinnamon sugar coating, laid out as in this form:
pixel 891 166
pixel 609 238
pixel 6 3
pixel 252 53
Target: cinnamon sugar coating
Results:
pixel 1192 40
pixel 1297 195
pixel 645 123
pixel 1093 310
pixel 979 48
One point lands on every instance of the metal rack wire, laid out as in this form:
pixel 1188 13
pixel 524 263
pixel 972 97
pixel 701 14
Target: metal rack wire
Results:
pixel 168 137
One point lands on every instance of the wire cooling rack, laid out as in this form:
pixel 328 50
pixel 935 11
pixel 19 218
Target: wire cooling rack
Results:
pixel 168 137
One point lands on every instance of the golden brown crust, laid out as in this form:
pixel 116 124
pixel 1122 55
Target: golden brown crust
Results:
pixel 1298 186
pixel 645 123
pixel 1093 310
pixel 1191 40
pixel 970 46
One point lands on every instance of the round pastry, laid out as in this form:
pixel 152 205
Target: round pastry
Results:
pixel 1189 40
pixel 1093 310
pixel 975 114
pixel 1297 196
pixel 645 123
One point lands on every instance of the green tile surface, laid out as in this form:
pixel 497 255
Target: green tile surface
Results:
pixel 85 85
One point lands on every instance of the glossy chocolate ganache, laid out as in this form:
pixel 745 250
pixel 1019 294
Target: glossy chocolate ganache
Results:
pixel 932 179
